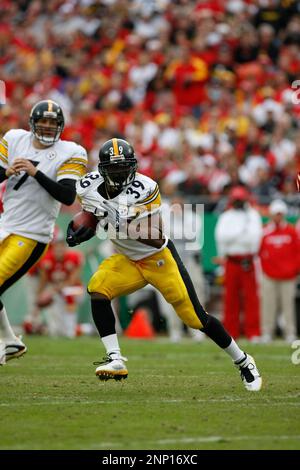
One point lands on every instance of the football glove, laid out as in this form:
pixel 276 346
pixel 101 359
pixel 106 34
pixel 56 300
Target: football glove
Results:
pixel 81 234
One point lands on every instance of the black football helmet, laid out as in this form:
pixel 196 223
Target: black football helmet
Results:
pixel 118 163
pixel 50 110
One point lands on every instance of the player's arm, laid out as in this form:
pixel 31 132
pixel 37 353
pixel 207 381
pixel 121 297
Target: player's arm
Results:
pixel 2 174
pixel 149 230
pixel 6 173
pixel 146 225
pixel 63 190
pixel 5 169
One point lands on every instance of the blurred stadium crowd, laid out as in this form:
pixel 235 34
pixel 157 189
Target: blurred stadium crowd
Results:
pixel 203 89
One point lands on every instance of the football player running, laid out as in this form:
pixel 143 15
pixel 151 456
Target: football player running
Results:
pixel 127 204
pixel 41 172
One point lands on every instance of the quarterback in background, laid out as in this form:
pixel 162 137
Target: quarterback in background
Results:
pixel 127 205
pixel 41 172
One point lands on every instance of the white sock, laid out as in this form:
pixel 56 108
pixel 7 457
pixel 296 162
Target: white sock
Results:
pixel 6 331
pixel 111 344
pixel 234 351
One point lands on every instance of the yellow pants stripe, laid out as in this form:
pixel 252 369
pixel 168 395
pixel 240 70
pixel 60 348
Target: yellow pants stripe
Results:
pixel 17 255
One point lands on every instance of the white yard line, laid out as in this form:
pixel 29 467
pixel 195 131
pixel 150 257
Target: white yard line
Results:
pixel 152 444
pixel 189 440
pixel 194 440
pixel 266 401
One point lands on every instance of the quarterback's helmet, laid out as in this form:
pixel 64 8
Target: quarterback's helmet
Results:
pixel 118 163
pixel 46 109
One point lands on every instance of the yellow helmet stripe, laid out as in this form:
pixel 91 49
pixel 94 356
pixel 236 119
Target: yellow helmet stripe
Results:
pixel 50 106
pixel 115 146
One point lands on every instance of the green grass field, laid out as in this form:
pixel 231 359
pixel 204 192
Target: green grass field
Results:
pixel 184 396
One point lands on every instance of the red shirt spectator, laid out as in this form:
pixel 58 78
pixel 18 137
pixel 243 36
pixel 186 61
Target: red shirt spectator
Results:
pixel 58 269
pixel 280 261
pixel 61 269
pixel 279 251
pixel 187 76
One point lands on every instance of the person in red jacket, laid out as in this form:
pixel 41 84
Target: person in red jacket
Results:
pixel 280 261
pixel 238 235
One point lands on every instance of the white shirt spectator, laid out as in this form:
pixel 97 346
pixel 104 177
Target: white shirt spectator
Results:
pixel 238 232
pixel 248 170
pixel 260 112
pixel 284 152
pixel 169 138
pixel 140 76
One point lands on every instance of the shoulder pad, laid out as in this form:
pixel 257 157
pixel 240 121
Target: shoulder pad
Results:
pixel 72 149
pixel 148 189
pixel 15 134
pixel 88 182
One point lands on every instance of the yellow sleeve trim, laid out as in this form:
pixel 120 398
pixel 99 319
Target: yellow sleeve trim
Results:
pixel 4 142
pixel 76 172
pixel 73 162
pixel 72 167
pixel 3 150
pixel 3 159
pixel 154 194
pixel 69 172
pixel 151 206
pixel 76 160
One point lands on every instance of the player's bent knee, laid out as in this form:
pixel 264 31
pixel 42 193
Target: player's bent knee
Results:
pixel 98 296
pixel 188 315
pixel 175 296
pixel 98 285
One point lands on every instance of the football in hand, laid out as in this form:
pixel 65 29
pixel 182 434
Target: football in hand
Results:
pixel 86 219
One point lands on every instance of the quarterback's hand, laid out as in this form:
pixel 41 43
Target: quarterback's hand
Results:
pixel 81 234
pixel 10 171
pixel 21 164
